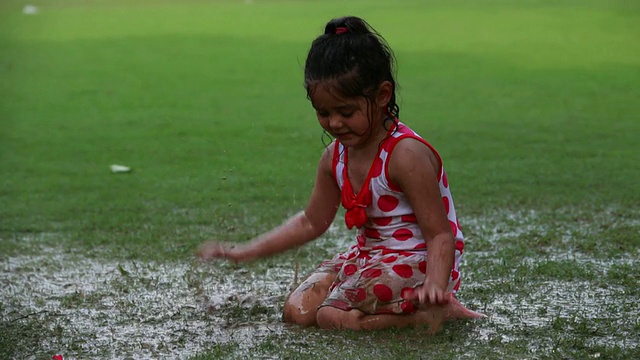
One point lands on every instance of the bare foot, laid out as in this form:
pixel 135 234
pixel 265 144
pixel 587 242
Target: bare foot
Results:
pixel 434 315
pixel 454 310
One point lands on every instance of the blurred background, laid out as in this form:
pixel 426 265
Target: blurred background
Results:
pixel 533 105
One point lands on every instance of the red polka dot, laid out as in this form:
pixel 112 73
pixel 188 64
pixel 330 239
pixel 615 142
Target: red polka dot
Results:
pixel 351 255
pixel 406 293
pixel 454 228
pixel 387 202
pixel 459 246
pixel 340 304
pixel 458 223
pixel 371 273
pixel 409 218
pixel 445 182
pixel 389 259
pixel 422 266
pixel 383 292
pixel 455 288
pixel 407 307
pixel 382 221
pixel 376 167
pixel 402 234
pixel 403 270
pixel 445 200
pixel 454 275
pixel 355 295
pixel 372 233
pixel 350 269
pixel 421 246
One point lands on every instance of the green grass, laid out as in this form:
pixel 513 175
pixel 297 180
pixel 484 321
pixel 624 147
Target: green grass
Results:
pixel 532 104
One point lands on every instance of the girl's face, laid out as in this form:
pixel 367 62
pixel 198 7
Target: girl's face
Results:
pixel 352 121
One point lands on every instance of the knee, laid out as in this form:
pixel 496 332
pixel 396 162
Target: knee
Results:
pixel 302 304
pixel 298 315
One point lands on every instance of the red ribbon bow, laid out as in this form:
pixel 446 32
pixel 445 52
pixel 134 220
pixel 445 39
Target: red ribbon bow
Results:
pixel 355 205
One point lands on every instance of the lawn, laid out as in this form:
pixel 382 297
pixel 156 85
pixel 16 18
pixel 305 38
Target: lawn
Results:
pixel 534 106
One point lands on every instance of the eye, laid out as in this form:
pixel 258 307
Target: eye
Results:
pixel 322 113
pixel 347 114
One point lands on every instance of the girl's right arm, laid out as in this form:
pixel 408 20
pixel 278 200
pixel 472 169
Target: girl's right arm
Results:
pixel 297 230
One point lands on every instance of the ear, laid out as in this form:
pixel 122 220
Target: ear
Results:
pixel 385 91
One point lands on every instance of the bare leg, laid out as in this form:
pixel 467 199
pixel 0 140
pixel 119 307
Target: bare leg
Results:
pixel 431 316
pixel 333 318
pixel 302 304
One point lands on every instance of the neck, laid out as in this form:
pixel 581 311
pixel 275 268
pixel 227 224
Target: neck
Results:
pixel 375 138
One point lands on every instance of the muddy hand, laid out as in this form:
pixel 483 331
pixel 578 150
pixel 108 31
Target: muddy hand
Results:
pixel 216 250
pixel 430 293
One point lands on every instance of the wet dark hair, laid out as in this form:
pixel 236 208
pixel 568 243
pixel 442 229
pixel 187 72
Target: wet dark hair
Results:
pixel 353 55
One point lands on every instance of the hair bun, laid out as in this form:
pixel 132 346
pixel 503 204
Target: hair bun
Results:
pixel 347 24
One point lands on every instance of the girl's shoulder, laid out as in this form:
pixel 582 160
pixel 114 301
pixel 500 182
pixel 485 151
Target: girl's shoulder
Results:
pixel 403 129
pixel 399 133
pixel 331 149
pixel 328 158
pixel 406 141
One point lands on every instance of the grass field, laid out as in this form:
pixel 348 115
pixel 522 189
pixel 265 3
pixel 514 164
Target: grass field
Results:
pixel 534 105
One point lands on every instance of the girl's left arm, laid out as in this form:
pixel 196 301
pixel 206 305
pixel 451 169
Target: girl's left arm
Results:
pixel 414 167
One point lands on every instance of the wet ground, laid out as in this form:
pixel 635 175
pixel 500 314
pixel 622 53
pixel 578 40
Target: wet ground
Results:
pixel 90 307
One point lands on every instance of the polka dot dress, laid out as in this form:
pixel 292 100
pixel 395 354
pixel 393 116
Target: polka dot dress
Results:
pixel 389 260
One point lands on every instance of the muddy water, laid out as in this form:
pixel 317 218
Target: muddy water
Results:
pixel 141 310
pixel 120 309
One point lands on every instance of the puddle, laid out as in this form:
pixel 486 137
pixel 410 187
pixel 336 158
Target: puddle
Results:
pixel 498 224
pixel 565 306
pixel 141 310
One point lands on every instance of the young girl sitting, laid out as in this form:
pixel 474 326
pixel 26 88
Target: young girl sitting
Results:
pixel 403 269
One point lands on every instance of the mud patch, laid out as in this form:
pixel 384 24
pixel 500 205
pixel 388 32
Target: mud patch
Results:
pixel 141 309
pixel 514 270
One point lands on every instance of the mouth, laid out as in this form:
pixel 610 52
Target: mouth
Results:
pixel 341 135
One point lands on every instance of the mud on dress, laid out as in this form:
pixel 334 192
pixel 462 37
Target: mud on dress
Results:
pixel 390 258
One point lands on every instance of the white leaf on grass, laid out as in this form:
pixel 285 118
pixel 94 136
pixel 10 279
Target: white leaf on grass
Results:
pixel 30 10
pixel 119 169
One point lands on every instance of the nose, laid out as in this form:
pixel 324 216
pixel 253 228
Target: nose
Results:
pixel 335 121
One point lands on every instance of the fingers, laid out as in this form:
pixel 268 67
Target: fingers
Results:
pixel 436 297
pixel 442 297
pixel 428 297
pixel 211 250
pixel 426 294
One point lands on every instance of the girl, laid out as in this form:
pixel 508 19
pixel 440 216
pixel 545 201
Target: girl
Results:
pixel 394 189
